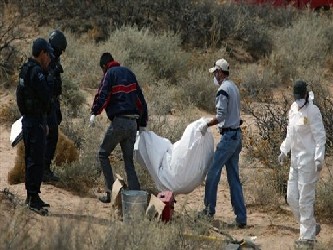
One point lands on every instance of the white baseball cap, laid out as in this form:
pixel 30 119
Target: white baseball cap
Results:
pixel 220 64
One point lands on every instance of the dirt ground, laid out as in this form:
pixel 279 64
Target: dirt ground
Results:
pixel 272 229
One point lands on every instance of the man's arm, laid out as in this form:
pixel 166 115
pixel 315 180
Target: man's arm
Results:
pixel 102 97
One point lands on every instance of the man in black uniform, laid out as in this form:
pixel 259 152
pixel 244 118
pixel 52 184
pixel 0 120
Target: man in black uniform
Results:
pixel 58 42
pixel 33 100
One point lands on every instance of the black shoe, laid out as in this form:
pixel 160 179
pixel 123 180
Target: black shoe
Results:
pixel 241 225
pixel 49 176
pixel 106 198
pixel 34 201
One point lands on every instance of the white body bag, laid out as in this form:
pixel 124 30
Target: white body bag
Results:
pixel 178 167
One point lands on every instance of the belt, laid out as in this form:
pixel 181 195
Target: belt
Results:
pixel 129 117
pixel 223 130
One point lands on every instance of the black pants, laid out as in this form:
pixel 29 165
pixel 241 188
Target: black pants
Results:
pixel 34 143
pixel 51 145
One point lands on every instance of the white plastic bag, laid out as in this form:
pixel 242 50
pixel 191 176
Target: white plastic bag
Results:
pixel 16 132
pixel 178 167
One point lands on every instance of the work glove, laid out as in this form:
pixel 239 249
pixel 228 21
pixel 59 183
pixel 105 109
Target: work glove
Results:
pixel 203 129
pixel 282 158
pixel 319 166
pixel 92 121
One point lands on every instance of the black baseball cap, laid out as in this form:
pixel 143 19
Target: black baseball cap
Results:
pixel 41 44
pixel 300 89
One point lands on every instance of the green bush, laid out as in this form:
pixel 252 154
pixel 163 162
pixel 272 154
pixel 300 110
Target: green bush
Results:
pixel 295 51
pixel 160 54
pixel 257 83
pixel 324 199
pixel 198 90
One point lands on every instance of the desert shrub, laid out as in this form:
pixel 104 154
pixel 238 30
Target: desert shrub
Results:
pixel 324 198
pixel 264 139
pixel 81 63
pixel 162 98
pixel 10 33
pixel 9 112
pixel 231 22
pixel 170 127
pixel 209 23
pixel 265 188
pixel 198 90
pixel 65 152
pixel 276 17
pixel 84 174
pixel 145 53
pixel 83 231
pixel 160 54
pixel 258 42
pixel 14 227
pixel 328 36
pixel 79 176
pixel 299 50
pixel 17 173
pixel 257 84
pixel 72 97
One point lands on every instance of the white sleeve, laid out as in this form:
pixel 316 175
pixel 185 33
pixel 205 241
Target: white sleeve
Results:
pixel 318 132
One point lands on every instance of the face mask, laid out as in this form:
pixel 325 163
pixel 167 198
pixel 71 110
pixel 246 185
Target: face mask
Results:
pixel 216 82
pixel 300 102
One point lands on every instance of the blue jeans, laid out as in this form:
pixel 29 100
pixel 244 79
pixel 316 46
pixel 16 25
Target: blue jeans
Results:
pixel 227 153
pixel 123 131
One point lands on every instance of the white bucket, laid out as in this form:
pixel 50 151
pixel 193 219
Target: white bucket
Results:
pixel 134 204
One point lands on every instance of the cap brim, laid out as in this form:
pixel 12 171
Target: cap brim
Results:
pixel 211 70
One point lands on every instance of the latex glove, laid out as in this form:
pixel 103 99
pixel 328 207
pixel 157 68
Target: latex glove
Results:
pixel 282 158
pixel 92 121
pixel 203 129
pixel 319 166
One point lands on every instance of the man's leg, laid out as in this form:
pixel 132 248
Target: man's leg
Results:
pixel 293 192
pixel 236 191
pixel 34 141
pixel 225 148
pixel 307 185
pixel 51 145
pixel 127 128
pixel 127 147
pixel 109 142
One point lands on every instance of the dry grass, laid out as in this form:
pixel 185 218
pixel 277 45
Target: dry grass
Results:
pixel 267 49
pixel 22 230
pixel 66 152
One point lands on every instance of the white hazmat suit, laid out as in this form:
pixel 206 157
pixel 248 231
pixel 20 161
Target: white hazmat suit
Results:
pixel 306 138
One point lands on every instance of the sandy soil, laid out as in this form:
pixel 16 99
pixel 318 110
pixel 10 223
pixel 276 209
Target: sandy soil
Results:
pixel 272 229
